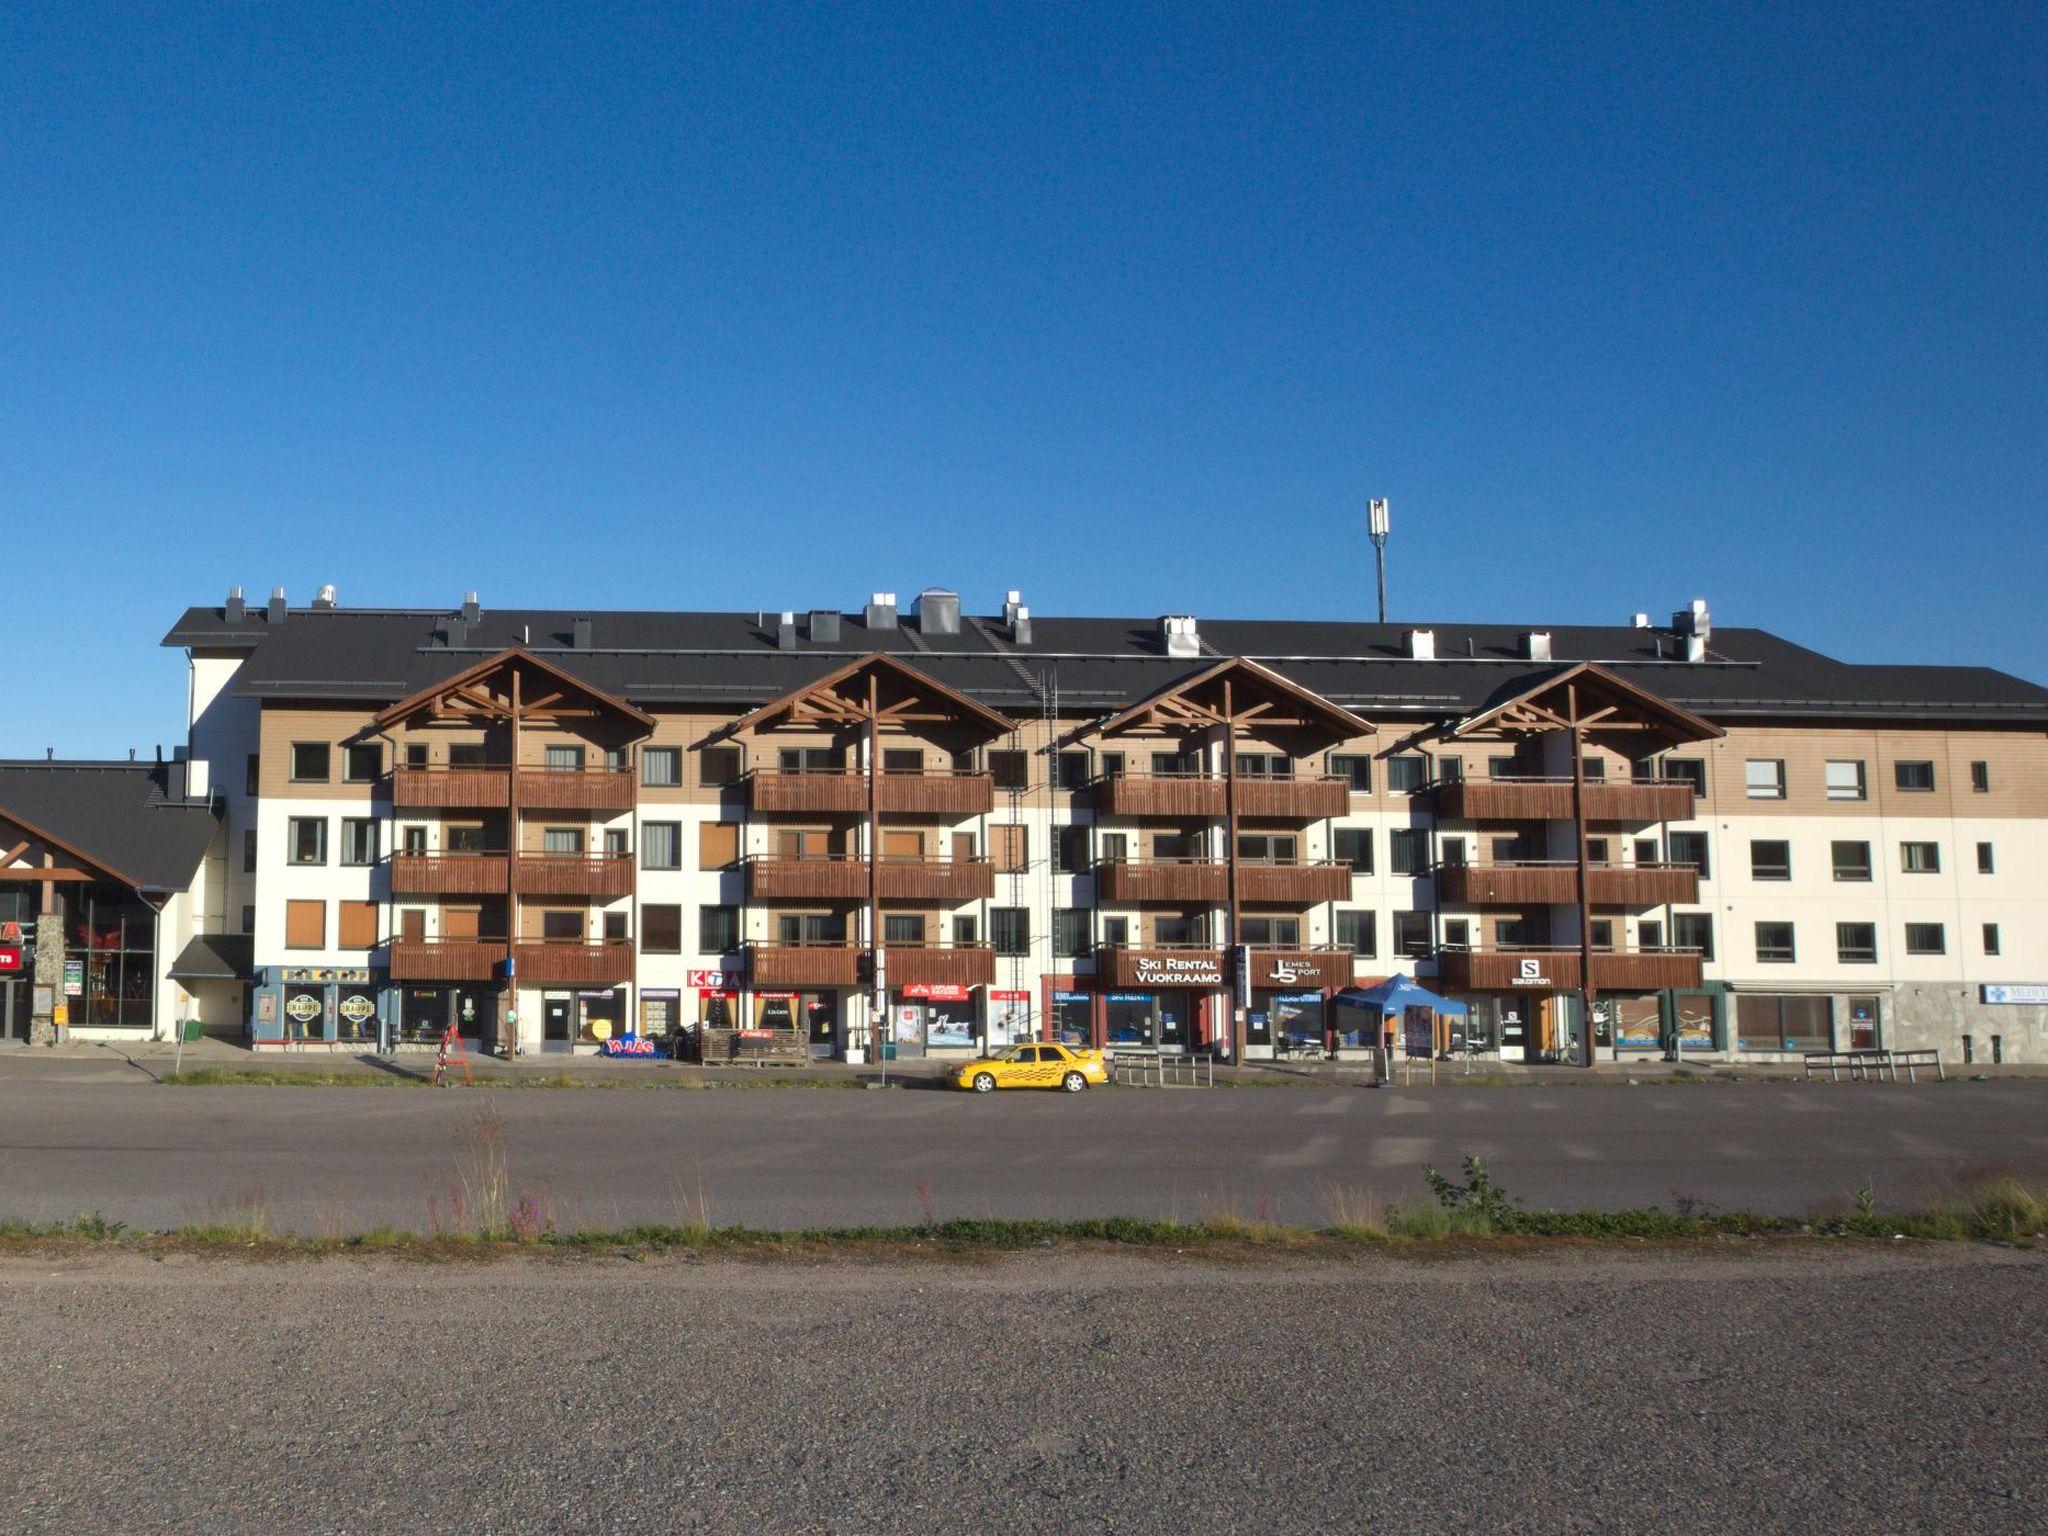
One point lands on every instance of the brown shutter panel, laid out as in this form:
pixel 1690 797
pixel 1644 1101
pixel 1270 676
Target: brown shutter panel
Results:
pixel 305 925
pixel 718 844
pixel 1012 847
pixel 412 925
pixel 357 922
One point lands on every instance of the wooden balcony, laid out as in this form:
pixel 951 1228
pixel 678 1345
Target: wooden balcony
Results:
pixel 575 789
pixel 448 874
pixel 1541 883
pixel 446 959
pixel 1555 969
pixel 1194 882
pixel 596 876
pixel 1550 799
pixel 844 791
pixel 1292 885
pixel 1200 797
pixel 948 882
pixel 455 789
pixel 839 965
pixel 574 963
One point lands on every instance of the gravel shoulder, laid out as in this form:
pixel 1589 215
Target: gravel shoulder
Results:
pixel 1717 1387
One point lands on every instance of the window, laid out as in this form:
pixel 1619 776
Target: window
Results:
pixel 1770 860
pixel 249 852
pixel 1071 769
pixel 1597 849
pixel 1920 858
pixel 618 840
pixel 811 760
pixel 1408 850
pixel 1116 931
pixel 1913 775
pixel 718 844
pixel 1600 933
pixel 1500 768
pixel 466 754
pixel 908 761
pixel 561 925
pixel 661 845
pixel 1594 769
pixel 305 925
pixel 358 841
pixel 1355 769
pixel 1450 769
pixel 1687 770
pixel 1451 851
pixel 1774 943
pixel 1070 934
pixel 1353 846
pixel 1268 847
pixel 661 929
pixel 1926 939
pixel 1649 934
pixel 1457 933
pixel 718 930
pixel 413 839
pixel 1011 847
pixel 903 928
pixel 1987 864
pixel 1991 938
pixel 1069 850
pixel 1176 930
pixel 1358 932
pixel 718 765
pixel 1009 929
pixel 1765 777
pixel 1176 845
pixel 1168 765
pixel 1852 860
pixel 1270 932
pixel 1264 765
pixel 1693 930
pixel 1411 934
pixel 356 924
pixel 804 928
pixel 1764 1023
pixel 561 840
pixel 463 838
pixel 963 929
pixel 1112 765
pixel 1856 943
pixel 1980 777
pixel 562 758
pixel 1407 774
pixel 1845 780
pixel 1646 850
pixel 1690 848
pixel 308 840
pixel 360 765
pixel 311 762
pixel 1010 770
pixel 415 754
pixel 662 767
pixel 248 919
pixel 615 925
pixel 252 773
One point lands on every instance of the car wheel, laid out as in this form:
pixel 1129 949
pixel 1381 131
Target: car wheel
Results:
pixel 984 1082
pixel 1073 1082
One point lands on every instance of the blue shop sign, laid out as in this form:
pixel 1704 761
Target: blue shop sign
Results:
pixel 1129 997
pixel 629 1045
pixel 1073 997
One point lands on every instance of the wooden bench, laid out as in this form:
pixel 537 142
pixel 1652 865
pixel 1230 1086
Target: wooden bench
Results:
pixel 755 1048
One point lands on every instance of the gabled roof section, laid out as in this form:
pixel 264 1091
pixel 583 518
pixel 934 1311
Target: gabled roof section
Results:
pixel 903 695
pixel 1258 696
pixel 482 692
pixel 128 822
pixel 1589 696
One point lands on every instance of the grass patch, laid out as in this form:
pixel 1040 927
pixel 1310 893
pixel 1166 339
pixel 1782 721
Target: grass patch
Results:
pixel 418 1077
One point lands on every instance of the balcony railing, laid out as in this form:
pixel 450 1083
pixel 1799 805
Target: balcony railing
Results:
pixel 448 874
pixel 488 786
pixel 446 959
pixel 1555 968
pixel 1205 796
pixel 602 876
pixel 576 789
pixel 465 789
pixel 947 881
pixel 844 791
pixel 836 963
pixel 1206 881
pixel 574 962
pixel 1542 882
pixel 1550 799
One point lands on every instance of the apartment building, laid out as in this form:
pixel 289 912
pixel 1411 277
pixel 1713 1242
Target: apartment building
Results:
pixel 931 832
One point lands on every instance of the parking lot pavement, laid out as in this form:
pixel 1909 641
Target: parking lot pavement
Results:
pixel 330 1160
pixel 1805 1388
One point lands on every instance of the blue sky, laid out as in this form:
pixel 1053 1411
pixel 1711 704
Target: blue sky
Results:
pixel 754 306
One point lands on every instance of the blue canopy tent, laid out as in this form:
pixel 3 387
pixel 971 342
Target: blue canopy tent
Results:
pixel 1393 998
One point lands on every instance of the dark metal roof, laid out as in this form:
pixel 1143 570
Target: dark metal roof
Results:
pixel 732 660
pixel 132 818
pixel 216 957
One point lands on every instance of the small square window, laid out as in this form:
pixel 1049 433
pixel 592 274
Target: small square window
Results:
pixel 1987 863
pixel 358 840
pixel 1856 943
pixel 1355 769
pixel 1926 939
pixel 718 766
pixel 1356 931
pixel 1846 781
pixel 661 767
pixel 1411 935
pixel 307 839
pixel 1774 944
pixel 1980 777
pixel 1407 774
pixel 1852 861
pixel 1770 860
pixel 1917 776
pixel 1765 778
pixel 363 764
pixel 1353 846
pixel 1920 858
pixel 312 762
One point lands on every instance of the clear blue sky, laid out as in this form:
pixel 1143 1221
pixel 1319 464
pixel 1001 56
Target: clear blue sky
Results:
pixel 741 306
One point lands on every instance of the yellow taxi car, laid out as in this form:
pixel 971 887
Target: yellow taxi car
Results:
pixel 1036 1065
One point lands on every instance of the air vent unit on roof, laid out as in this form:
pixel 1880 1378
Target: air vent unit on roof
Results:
pixel 1536 645
pixel 324 598
pixel 1179 632
pixel 1020 625
pixel 824 626
pixel 471 609
pixel 580 635
pixel 236 609
pixel 881 611
pixel 1695 647
pixel 785 631
pixel 1694 620
pixel 938 611
pixel 1641 621
pixel 1422 644
pixel 277 608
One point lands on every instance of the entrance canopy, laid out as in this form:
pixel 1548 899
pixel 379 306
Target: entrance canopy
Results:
pixel 1396 994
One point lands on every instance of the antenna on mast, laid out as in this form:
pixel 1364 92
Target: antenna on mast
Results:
pixel 1376 524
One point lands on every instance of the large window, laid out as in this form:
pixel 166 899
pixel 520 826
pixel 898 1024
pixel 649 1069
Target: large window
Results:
pixel 1407 773
pixel 1357 932
pixel 1926 938
pixel 1766 1023
pixel 661 767
pixel 661 845
pixel 1408 850
pixel 718 930
pixel 717 766
pixel 358 840
pixel 661 928
pixel 363 764
pixel 1693 930
pixel 1770 859
pixel 1774 945
pixel 1353 846
pixel 903 928
pixel 307 839
pixel 1851 860
pixel 1845 780
pixel 312 762
pixel 114 933
pixel 1009 929
pixel 1070 935
pixel 1355 768
pixel 1856 943
pixel 1411 935
pixel 1917 776
pixel 1270 932
pixel 1765 778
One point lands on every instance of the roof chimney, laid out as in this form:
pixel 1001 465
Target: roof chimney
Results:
pixel 1695 647
pixel 785 631
pixel 1020 625
pixel 1422 644
pixel 579 635
pixel 824 626
pixel 881 611
pixel 236 609
pixel 1178 630
pixel 277 605
pixel 324 598
pixel 452 633
pixel 1536 645
pixel 471 609
pixel 198 779
pixel 1694 620
pixel 938 611
pixel 1012 601
pixel 1642 621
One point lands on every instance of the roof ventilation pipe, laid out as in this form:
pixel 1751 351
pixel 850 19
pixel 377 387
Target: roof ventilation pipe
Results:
pixel 1641 621
pixel 236 609
pixel 880 612
pixel 785 631
pixel 324 598
pixel 277 609
pixel 1536 645
pixel 1020 625
pixel 579 635
pixel 1179 632
pixel 824 626
pixel 471 608
pixel 938 611
pixel 1422 644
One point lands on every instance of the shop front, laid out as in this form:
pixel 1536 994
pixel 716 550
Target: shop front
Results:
pixel 814 1016
pixel 1629 1022
pixel 582 1020
pixel 1009 1018
pixel 661 1015
pixel 1070 1012
pixel 1287 1022
pixel 1151 1021
pixel 425 1013
pixel 933 1018
pixel 307 1006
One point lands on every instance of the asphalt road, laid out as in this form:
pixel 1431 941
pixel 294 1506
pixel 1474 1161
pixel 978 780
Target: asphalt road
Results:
pixel 1849 1391
pixel 335 1160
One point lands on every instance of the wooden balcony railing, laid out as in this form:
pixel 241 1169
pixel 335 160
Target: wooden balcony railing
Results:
pixel 947 881
pixel 464 789
pixel 576 789
pixel 1550 799
pixel 1204 796
pixel 446 959
pixel 1549 882
pixel 573 962
pixel 838 964
pixel 1555 968
pixel 1206 882
pixel 600 876
pixel 448 874
pixel 844 791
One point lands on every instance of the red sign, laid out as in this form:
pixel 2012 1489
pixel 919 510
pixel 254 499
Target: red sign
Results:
pixel 10 956
pixel 10 932
pixel 937 991
pixel 774 997
pixel 1009 997
pixel 713 981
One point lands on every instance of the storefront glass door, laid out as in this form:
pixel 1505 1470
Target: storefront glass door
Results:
pixel 557 1021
